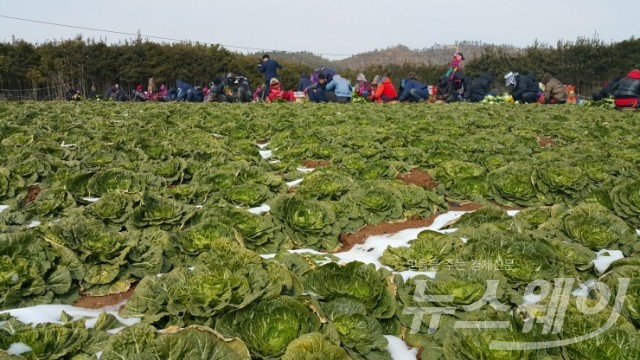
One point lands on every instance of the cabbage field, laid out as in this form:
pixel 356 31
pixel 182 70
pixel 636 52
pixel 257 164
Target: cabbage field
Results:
pixel 227 230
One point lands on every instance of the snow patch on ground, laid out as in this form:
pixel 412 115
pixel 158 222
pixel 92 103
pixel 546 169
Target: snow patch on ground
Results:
pixel 305 170
pixel 604 258
pixel 33 223
pixel 18 349
pixel 260 209
pixel 265 154
pixel 399 350
pixel 294 182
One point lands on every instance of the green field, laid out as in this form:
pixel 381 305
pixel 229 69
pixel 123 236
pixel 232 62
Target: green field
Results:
pixel 103 197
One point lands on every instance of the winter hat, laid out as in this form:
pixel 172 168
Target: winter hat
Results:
pixel 412 75
pixel 139 88
pixel 361 77
pixel 376 79
pixel 274 81
pixel 459 53
pixel 510 79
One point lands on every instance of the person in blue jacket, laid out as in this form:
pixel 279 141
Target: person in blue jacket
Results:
pixel 413 90
pixel 270 70
pixel 339 90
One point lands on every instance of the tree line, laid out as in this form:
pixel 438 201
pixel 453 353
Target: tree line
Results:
pixel 46 71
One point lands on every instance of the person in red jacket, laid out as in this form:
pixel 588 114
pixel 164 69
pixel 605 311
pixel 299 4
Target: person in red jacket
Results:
pixel 626 92
pixel 384 89
pixel 276 92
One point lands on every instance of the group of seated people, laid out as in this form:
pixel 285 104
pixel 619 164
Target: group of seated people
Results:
pixel 326 85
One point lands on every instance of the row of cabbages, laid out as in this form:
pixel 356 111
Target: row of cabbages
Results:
pixel 173 185
pixel 228 300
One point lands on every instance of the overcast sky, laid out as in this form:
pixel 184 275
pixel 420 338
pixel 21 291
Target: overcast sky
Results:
pixel 330 26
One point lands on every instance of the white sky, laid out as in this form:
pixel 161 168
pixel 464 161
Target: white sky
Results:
pixel 330 26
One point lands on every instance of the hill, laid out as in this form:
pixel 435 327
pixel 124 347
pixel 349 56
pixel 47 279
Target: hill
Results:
pixel 437 54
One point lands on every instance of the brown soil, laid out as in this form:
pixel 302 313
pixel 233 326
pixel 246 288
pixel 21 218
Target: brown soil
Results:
pixel 97 302
pixel 32 194
pixel 311 164
pixel 350 240
pixel 544 141
pixel 418 177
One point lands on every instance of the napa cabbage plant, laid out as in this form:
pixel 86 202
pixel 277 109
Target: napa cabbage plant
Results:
pixel 377 202
pixel 314 346
pixel 31 272
pixel 115 180
pixel 430 249
pixel 595 227
pixel 511 185
pixel 373 288
pixel 309 223
pixel 10 184
pixel 326 184
pixel 269 326
pixel 142 341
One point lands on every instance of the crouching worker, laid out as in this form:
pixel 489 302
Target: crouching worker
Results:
pixel 339 90
pixel 276 93
pixel 481 87
pixel 413 90
pixel 554 91
pixel 522 88
pixel 384 90
pixel 626 92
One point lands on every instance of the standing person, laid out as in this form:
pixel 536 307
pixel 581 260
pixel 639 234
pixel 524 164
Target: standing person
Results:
pixel 481 87
pixel 270 70
pixel 455 65
pixel 413 90
pixel 554 91
pixel 385 91
pixel 522 88
pixel 626 92
pixel 339 90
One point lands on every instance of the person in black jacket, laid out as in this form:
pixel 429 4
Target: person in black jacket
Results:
pixel 481 87
pixel 522 88
pixel 457 88
pixel 626 92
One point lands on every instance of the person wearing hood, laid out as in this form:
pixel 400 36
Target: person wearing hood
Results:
pixel 554 91
pixel 481 87
pixel 413 90
pixel 363 87
pixel 277 93
pixel 626 92
pixel 522 88
pixel 216 91
pixel 384 89
pixel 339 90
pixel 138 94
